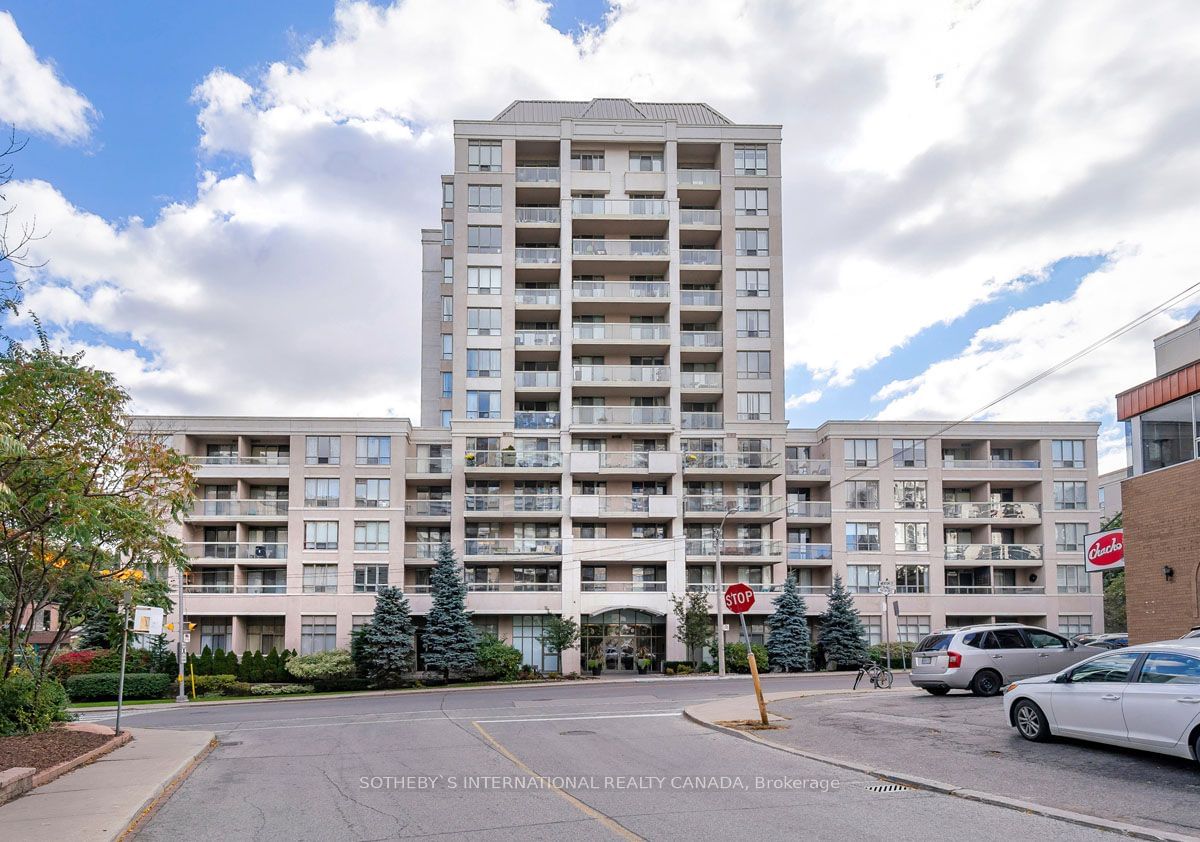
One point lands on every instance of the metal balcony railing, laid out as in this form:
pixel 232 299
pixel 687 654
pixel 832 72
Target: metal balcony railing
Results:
pixel 621 414
pixel 619 248
pixel 537 175
pixel 619 207
pixel 621 289
pixel 622 374
pixel 993 552
pixel 537 215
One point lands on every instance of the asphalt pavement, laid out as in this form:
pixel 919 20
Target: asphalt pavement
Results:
pixel 592 760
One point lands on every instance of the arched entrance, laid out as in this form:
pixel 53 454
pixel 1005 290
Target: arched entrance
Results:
pixel 619 637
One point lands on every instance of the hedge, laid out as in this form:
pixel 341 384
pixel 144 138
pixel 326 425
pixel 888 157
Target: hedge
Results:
pixel 103 686
pixel 24 709
pixel 206 685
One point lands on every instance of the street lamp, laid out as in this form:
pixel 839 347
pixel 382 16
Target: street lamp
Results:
pixel 721 593
pixel 885 588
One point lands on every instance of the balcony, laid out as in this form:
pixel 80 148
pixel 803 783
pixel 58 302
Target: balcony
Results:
pixel 427 508
pixel 627 249
pixel 536 380
pixel 736 461
pixel 699 257
pixel 699 178
pixel 613 505
pixel 700 297
pixel 809 552
pixel 700 381
pixel 623 375
pixel 623 587
pixel 993 552
pixel 635 415
pixel 700 339
pixel 512 504
pixel 512 587
pixel 237 590
pixel 421 550
pixel 991 464
pixel 992 511
pixel 536 420
pixel 235 550
pixel 633 332
pixel 513 459
pixel 538 255
pixel 809 509
pixel 537 175
pixel 994 590
pixel 808 467
pixel 612 290
pixel 633 463
pixel 239 508
pixel 696 217
pixel 512 546
pixel 739 506
pixel 733 547
pixel 244 461
pixel 536 339
pixel 537 216
pixel 427 465
pixel 701 420
pixel 619 207
pixel 525 297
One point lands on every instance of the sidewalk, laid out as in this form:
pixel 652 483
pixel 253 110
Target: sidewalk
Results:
pixel 99 801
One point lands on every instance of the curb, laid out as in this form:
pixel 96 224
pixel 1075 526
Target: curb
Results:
pixel 1081 819
pixel 165 790
pixel 47 775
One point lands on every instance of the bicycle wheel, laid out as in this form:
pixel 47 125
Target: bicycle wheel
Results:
pixel 883 680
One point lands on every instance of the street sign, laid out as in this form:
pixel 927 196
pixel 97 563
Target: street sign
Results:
pixel 739 597
pixel 147 620
pixel 1103 551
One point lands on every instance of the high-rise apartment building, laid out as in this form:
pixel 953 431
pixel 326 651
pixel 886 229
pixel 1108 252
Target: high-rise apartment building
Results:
pixel 603 412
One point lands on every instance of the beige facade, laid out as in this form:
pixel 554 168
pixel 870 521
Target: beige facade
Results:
pixel 603 408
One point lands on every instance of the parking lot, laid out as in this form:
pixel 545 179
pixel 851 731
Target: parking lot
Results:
pixel 963 740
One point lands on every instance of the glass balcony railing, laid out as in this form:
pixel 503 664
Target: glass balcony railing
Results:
pixel 700 339
pixel 993 590
pixel 537 175
pixel 991 511
pixel 808 467
pixel 536 297
pixel 240 508
pixel 551 420
pixel 514 458
pixel 427 508
pixel 809 552
pixel 744 504
pixel 700 257
pixel 619 207
pixel 619 248
pixel 623 587
pixel 538 255
pixel 514 587
pixel 233 459
pixel 809 509
pixel 620 332
pixel 700 380
pixel 697 460
pixel 512 546
pixel 427 465
pixel 991 464
pixel 700 297
pixel 421 549
pixel 993 552
pixel 625 459
pixel 701 420
pixel 621 414
pixel 621 289
pixel 512 503
pixel 733 547
pixel 699 178
pixel 537 216
pixel 236 549
pixel 699 216
pixel 536 379
pixel 622 374
pixel 536 338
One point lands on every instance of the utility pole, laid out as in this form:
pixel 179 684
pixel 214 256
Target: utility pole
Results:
pixel 180 630
pixel 721 594
pixel 885 588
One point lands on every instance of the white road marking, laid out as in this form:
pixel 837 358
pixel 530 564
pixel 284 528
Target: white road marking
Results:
pixel 582 718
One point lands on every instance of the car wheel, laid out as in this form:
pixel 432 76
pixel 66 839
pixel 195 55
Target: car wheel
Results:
pixel 1196 748
pixel 937 691
pixel 985 683
pixel 1030 721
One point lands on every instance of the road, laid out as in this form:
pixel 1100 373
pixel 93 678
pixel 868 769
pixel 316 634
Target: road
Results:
pixel 624 763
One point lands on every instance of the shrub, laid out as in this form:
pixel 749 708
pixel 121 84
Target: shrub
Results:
pixel 67 664
pixel 683 669
pixel 335 663
pixel 102 686
pixel 279 690
pixel 901 653
pixel 673 665
pixel 237 688
pixel 496 659
pixel 206 685
pixel 736 660
pixel 109 660
pixel 26 709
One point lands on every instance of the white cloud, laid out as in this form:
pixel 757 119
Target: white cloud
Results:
pixel 936 153
pixel 32 97
pixel 797 401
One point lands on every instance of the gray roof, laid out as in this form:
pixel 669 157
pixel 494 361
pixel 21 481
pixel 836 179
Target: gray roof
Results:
pixel 551 111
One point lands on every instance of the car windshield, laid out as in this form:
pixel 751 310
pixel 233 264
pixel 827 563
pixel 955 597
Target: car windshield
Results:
pixel 935 643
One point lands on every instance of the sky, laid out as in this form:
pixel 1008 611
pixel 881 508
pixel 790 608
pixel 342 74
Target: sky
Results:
pixel 231 194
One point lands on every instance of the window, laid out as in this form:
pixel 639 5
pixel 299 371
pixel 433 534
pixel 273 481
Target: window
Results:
pixel 372 493
pixel 1067 453
pixel 912 578
pixel 754 406
pixel 587 161
pixel 750 202
pixel 912 537
pixel 751 242
pixel 753 283
pixel 862 537
pixel 320 535
pixel 483 198
pixel 482 404
pixel 1074 624
pixel 447 270
pixel 645 162
pixel 446 417
pixel 754 365
pixel 447 233
pixel 483 239
pixel 861 453
pixel 1070 495
pixel 750 159
pixel 862 494
pixel 753 323
pixel 1170 668
pixel 322 450
pixel 321 491
pixel 373 450
pixel 369 578
pixel 1068 537
pixel 447 384
pixel 320 578
pixel 447 308
pixel 447 346
pixel 372 535
pixel 483 280
pixel 908 453
pixel 447 194
pixel 911 494
pixel 910 628
pixel 483 156
pixel 873 626
pixel 216 633
pixel 483 362
pixel 264 634
pixel 483 321
pixel 1039 639
pixel 527 632
pixel 317 634
pixel 1073 578
pixel 1169 434
pixel 1108 669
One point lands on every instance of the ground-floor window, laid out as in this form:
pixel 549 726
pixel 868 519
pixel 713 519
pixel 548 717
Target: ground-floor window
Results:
pixel 317 634
pixel 216 633
pixel 619 637
pixel 873 626
pixel 910 628
pixel 359 621
pixel 486 624
pixel 527 636
pixel 264 634
pixel 1073 624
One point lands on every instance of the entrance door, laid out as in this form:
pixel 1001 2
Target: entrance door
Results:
pixel 620 651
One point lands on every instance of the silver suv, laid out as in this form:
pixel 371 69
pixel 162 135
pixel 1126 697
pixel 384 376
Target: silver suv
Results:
pixel 985 658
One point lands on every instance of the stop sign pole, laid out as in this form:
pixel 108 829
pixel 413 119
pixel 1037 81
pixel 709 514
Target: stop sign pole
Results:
pixel 739 598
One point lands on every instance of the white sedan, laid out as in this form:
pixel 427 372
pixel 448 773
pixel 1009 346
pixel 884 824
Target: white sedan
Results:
pixel 1145 697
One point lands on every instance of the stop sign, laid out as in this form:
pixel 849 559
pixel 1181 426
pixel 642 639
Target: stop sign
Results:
pixel 739 597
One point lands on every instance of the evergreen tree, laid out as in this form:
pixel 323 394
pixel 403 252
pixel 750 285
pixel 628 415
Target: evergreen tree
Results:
pixel 842 633
pixel 789 639
pixel 96 631
pixel 273 667
pixel 204 662
pixel 258 666
pixel 450 637
pixel 231 664
pixel 162 659
pixel 383 648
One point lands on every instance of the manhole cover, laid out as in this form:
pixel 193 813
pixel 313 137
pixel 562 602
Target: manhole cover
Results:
pixel 887 788
pixel 574 733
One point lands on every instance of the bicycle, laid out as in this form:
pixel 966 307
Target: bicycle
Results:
pixel 880 677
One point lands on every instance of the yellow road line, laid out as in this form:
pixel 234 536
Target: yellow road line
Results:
pixel 614 826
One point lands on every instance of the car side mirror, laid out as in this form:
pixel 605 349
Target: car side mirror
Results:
pixel 1062 678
